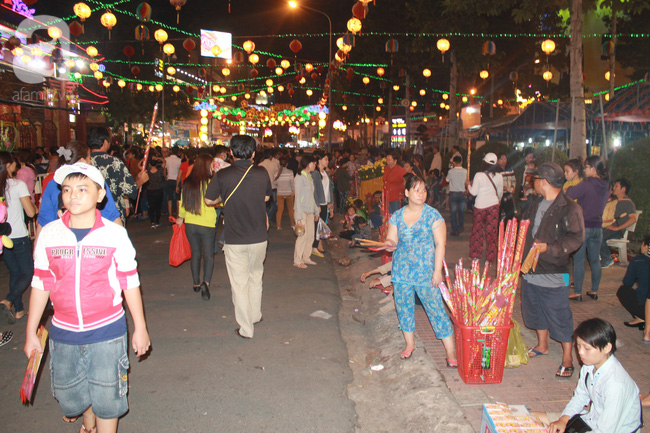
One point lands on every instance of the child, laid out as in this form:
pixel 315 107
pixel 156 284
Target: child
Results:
pixel 361 230
pixel 375 210
pixel 604 386
pixel 383 283
pixel 88 337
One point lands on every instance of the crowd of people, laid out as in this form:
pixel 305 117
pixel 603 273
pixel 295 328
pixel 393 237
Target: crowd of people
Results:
pixel 231 197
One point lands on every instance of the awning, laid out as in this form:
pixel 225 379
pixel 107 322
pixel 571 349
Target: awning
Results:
pixel 631 105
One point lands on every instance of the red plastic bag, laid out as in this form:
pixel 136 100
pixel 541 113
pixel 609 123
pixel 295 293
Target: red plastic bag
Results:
pixel 179 247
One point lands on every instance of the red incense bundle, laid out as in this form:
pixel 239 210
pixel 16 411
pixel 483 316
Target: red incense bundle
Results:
pixel 33 365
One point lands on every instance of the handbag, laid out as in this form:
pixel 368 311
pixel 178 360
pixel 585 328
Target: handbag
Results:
pixel 577 425
pixel 179 247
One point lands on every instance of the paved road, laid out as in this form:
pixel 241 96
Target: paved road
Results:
pixel 200 376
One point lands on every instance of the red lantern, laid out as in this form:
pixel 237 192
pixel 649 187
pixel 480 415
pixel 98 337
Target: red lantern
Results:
pixel 128 51
pixel 320 69
pixel 381 72
pixel 298 77
pixel 290 92
pixel 75 28
pixel 189 44
pixel 29 2
pixel 189 90
pixel 135 70
pixel 314 76
pixel 295 46
pixel 143 12
pixel 254 73
pixel 177 4
pixel 359 10
pixel 271 63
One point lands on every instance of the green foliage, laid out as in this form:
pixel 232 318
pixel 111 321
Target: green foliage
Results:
pixel 631 163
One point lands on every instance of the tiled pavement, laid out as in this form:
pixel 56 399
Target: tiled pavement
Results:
pixel 535 384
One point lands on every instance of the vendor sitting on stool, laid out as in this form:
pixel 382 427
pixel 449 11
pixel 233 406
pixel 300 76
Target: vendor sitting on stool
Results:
pixel 635 301
pixel 604 386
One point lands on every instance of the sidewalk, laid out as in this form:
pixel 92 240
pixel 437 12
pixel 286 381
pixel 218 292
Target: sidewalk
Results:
pixel 535 384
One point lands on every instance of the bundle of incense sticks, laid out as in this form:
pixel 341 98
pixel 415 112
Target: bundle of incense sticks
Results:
pixel 474 298
pixel 27 387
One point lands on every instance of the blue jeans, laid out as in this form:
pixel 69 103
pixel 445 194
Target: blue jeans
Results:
pixel 272 206
pixel 457 206
pixel 20 262
pixel 605 254
pixel 393 206
pixel 590 250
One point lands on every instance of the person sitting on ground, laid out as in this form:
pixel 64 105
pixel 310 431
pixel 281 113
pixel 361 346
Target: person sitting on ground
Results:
pixel 374 208
pixel 604 386
pixel 384 283
pixel 361 230
pixel 614 226
pixel 348 223
pixel 636 301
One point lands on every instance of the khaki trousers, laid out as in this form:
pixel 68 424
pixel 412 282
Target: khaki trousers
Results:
pixel 278 216
pixel 245 264
pixel 302 251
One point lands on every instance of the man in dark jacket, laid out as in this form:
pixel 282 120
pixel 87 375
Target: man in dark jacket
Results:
pixel 557 230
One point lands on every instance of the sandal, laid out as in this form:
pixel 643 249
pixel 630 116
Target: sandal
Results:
pixel 86 430
pixel 5 337
pixel 564 372
pixel 406 354
pixel 70 419
pixel 452 363
pixel 300 265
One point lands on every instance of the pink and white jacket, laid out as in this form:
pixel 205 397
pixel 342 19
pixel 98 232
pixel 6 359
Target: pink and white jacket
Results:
pixel 85 279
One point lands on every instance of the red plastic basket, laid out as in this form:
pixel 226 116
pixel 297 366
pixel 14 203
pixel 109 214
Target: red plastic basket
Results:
pixel 481 352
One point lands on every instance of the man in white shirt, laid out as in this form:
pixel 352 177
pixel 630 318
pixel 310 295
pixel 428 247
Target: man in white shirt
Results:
pixel 272 166
pixel 437 159
pixel 173 164
pixel 457 176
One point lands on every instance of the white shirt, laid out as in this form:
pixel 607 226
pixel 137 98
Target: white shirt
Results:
pixel 173 166
pixel 436 162
pixel 15 212
pixel 456 178
pixel 482 188
pixel 326 187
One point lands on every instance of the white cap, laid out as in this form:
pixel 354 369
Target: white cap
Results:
pixel 490 158
pixel 88 170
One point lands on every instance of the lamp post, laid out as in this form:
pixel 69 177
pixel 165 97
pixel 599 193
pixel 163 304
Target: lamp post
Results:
pixel 295 4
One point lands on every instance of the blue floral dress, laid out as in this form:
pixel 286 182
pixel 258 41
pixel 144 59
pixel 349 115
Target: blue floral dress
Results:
pixel 413 266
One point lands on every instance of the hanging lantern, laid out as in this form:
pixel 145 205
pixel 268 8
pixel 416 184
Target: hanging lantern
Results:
pixel 98 75
pixel 92 51
pixel 253 58
pixel 142 33
pixel 135 70
pixel 392 46
pixel 344 108
pixel 320 69
pixel 159 87
pixel 216 50
pixel 366 80
pixel 548 75
pixel 189 45
pixel 248 46
pixel 121 83
pixel 75 28
pixel 54 32
pixel 128 51
pixel 442 45
pixel 314 76
pixel 169 49
pixel 160 35
pixel 94 67
pixel 607 75
pixel 143 12
pixel 271 63
pixel 396 87
pixel 152 88
pixel 423 92
pixel 176 88
pixel 108 20
pixel 177 4
pixel 225 72
pixel 340 56
pixel 484 74
pixel 381 71
pixel 82 10
pixel 309 67
pixel 360 10
pixel 426 73
pixel 279 71
pixel 548 46
pixel 488 48
pixel 285 64
pixel 138 87
pixel 445 96
pixel 309 92
pixel 254 73
pixel 354 25
pixel 295 46
pixel 171 70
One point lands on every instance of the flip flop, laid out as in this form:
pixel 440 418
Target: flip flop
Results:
pixel 534 352
pixel 406 354
pixel 5 337
pixel 70 419
pixel 565 372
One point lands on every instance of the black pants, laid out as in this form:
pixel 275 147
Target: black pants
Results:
pixel 627 296
pixel 201 240
pixel 155 199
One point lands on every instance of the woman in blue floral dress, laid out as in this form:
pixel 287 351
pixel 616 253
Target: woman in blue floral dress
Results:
pixel 418 235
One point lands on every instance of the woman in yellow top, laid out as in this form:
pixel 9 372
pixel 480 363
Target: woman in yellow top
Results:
pixel 574 172
pixel 200 223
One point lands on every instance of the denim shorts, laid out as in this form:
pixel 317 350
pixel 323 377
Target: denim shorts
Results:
pixel 91 375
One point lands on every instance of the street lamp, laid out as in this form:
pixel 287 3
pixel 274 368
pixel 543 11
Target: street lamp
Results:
pixel 295 4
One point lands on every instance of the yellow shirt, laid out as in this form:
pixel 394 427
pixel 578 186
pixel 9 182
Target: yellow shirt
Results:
pixel 570 183
pixel 207 218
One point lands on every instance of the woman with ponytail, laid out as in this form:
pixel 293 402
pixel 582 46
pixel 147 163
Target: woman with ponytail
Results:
pixel 591 194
